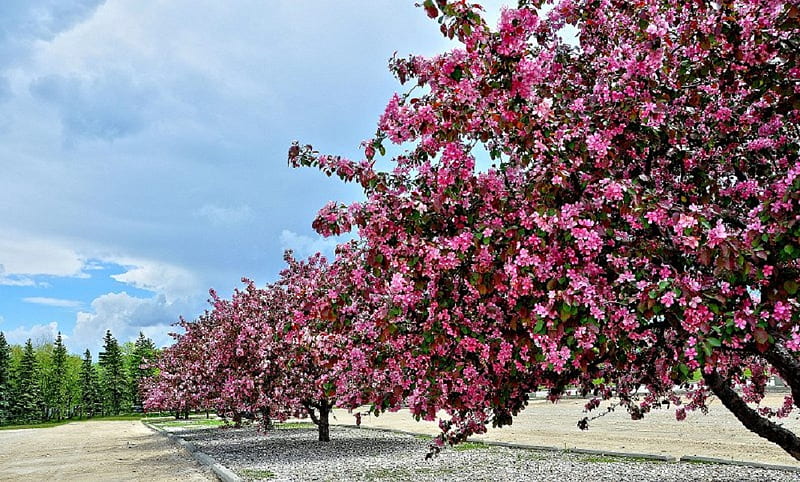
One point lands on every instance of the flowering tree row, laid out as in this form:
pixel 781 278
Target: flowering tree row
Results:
pixel 639 226
pixel 640 221
pixel 268 351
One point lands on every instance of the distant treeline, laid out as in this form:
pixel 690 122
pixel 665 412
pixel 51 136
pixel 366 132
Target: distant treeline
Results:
pixel 44 383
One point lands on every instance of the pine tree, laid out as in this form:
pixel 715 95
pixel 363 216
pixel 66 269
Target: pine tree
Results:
pixel 28 402
pixel 58 377
pixel 91 402
pixel 115 382
pixel 5 380
pixel 143 352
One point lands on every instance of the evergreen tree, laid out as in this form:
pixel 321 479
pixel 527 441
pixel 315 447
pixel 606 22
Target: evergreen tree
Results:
pixel 58 379
pixel 115 382
pixel 28 402
pixel 5 380
pixel 90 400
pixel 143 352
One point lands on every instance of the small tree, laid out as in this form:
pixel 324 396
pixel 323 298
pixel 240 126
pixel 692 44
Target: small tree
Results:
pixel 5 380
pixel 115 382
pixel 90 398
pixel 140 366
pixel 28 403
pixel 58 379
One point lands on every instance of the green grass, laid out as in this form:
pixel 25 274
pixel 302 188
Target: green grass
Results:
pixel 114 417
pixel 423 437
pixel 601 459
pixel 36 425
pixel 258 474
pixel 406 474
pixel 294 425
pixel 212 422
pixel 73 420
pixel 470 446
pixel 613 459
pixel 527 455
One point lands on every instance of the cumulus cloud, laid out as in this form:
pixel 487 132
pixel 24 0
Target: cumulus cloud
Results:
pixel 56 302
pixel 38 334
pixel 22 258
pixel 171 281
pixel 220 216
pixel 305 246
pixel 125 316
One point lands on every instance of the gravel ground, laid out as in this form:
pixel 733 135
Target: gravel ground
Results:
pixel 362 454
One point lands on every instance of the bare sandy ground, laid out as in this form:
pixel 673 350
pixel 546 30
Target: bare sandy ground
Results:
pixel 95 451
pixel 717 434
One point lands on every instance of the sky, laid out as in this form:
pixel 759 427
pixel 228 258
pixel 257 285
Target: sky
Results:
pixel 143 148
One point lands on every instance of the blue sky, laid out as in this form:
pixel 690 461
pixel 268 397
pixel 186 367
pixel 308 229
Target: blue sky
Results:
pixel 143 148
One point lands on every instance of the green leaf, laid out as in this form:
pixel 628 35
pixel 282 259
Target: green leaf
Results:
pixel 539 328
pixel 791 287
pixel 715 342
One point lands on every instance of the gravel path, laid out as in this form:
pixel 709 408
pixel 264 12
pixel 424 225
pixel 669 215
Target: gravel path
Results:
pixel 718 434
pixel 362 454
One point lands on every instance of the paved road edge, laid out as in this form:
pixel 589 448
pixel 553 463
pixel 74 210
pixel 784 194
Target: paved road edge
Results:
pixel 223 473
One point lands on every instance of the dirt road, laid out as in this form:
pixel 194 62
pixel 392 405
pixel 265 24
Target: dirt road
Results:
pixel 107 451
pixel 717 434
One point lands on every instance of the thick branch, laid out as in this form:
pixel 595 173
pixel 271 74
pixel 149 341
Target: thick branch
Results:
pixel 754 422
pixel 788 367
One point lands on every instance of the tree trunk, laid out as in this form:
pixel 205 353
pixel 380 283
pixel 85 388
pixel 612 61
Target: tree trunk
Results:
pixel 750 418
pixel 323 426
pixel 321 421
pixel 266 420
pixel 237 419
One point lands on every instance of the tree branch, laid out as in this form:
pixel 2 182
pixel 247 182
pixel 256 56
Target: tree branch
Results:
pixel 750 418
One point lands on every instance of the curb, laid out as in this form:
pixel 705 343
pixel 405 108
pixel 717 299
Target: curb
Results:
pixel 575 450
pixel 223 473
pixel 758 465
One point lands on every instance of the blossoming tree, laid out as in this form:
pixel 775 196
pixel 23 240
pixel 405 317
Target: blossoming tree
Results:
pixel 273 352
pixel 639 223
pixel 182 382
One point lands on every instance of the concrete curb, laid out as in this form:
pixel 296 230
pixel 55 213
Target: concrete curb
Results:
pixel 758 465
pixel 609 453
pixel 223 473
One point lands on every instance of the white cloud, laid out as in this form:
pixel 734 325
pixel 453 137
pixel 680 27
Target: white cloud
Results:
pixel 125 316
pixel 39 334
pixel 38 300
pixel 225 216
pixel 21 258
pixel 14 280
pixel 172 281
pixel 305 246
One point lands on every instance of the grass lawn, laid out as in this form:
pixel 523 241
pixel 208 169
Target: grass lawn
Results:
pixel 62 422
